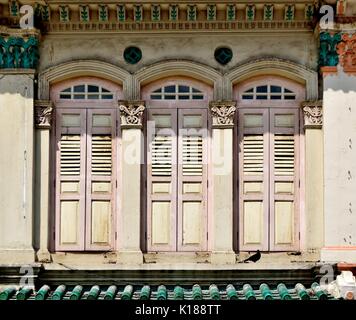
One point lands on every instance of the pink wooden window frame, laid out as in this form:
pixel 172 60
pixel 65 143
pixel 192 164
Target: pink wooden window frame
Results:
pixel 99 105
pixel 259 106
pixel 166 106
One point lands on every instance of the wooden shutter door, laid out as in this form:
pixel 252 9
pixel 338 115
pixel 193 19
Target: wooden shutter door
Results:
pixel 284 179
pixel 162 179
pixel 101 179
pixel 253 178
pixel 70 179
pixel 192 180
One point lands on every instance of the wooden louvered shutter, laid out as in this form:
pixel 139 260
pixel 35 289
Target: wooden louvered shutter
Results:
pixel 284 179
pixel 253 178
pixel 192 180
pixel 70 179
pixel 101 151
pixel 161 179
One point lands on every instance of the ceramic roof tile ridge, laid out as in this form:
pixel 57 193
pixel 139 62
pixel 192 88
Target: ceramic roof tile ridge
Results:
pixel 168 292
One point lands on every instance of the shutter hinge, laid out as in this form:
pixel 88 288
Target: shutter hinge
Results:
pixel 299 235
pixel 207 236
pixel 299 183
pixel 54 234
pixel 116 183
pixel 116 235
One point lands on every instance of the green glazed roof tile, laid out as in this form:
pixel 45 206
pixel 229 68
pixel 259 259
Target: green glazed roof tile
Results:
pixel 229 291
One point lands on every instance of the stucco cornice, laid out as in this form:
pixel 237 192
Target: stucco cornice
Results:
pixel 274 66
pixel 192 69
pixel 79 68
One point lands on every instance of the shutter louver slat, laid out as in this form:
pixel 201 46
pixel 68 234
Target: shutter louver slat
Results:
pixel 70 155
pixel 192 156
pixel 101 155
pixel 253 154
pixel 162 156
pixel 284 155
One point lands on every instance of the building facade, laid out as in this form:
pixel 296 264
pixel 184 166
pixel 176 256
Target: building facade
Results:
pixel 176 134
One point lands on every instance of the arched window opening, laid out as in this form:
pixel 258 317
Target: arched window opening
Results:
pixel 86 92
pixel 268 92
pixel 269 163
pixel 177 92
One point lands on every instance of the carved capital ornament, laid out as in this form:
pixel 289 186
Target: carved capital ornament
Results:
pixel 43 114
pixel 313 114
pixel 131 113
pixel 223 113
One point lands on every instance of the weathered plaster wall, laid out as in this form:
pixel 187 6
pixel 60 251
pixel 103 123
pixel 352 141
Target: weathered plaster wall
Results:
pixel 340 168
pixel 300 48
pixel 16 167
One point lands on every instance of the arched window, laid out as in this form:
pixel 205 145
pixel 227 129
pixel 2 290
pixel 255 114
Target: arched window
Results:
pixel 177 166
pixel 268 92
pixel 85 151
pixel 177 92
pixel 269 162
pixel 86 92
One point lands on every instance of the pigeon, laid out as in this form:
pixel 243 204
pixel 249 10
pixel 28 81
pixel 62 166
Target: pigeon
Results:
pixel 255 257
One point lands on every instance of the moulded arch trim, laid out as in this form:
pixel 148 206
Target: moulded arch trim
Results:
pixel 191 69
pixel 274 66
pixel 80 68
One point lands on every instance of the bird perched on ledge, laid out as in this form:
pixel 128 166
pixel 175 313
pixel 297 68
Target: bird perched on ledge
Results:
pixel 254 258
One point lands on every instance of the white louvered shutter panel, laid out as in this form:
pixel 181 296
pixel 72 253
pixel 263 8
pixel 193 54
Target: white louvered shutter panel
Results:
pixel 284 154
pixel 101 163
pixel 192 155
pixel 284 179
pixel 162 155
pixel 100 200
pixel 70 179
pixel 192 180
pixel 253 151
pixel 161 179
pixel 253 178
pixel 70 146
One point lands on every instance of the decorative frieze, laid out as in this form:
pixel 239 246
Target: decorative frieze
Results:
pixel 347 53
pixel 230 12
pixel 289 12
pixel 173 12
pixel 131 114
pixel 211 12
pixel 45 13
pixel 223 113
pixel 63 13
pixel 309 12
pixel 268 12
pixel 14 8
pixel 17 52
pixel 103 13
pixel 121 12
pixel 313 114
pixel 156 12
pixel 84 13
pixel 185 14
pixel 328 56
pixel 43 114
pixel 138 13
pixel 250 12
pixel 191 12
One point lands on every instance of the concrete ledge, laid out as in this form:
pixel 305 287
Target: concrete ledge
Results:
pixel 129 257
pixel 338 254
pixel 17 256
pixel 223 257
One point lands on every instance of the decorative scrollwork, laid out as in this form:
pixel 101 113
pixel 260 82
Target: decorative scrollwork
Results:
pixel 313 114
pixel 131 113
pixel 43 114
pixel 223 113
